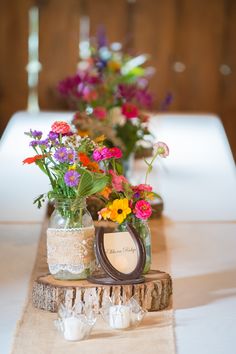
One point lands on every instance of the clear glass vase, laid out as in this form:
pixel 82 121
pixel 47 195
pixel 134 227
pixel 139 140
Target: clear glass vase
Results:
pixel 128 166
pixel 70 240
pixel 144 231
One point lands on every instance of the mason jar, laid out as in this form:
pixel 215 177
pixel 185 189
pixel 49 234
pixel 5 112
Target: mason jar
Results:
pixel 70 240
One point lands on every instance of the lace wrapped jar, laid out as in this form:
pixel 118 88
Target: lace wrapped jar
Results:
pixel 70 240
pixel 143 230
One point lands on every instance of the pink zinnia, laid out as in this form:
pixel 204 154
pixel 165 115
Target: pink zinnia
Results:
pixel 97 155
pixel 143 210
pixel 116 152
pixel 105 153
pixel 129 110
pixel 143 188
pixel 100 112
pixel 117 181
pixel 60 128
pixel 162 149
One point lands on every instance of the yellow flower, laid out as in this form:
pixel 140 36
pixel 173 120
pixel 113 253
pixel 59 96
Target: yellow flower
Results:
pixel 113 65
pixel 119 210
pixel 83 133
pixel 104 213
pixel 72 167
pixel 150 195
pixel 100 138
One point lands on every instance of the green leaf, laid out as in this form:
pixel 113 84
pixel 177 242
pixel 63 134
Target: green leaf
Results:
pixel 85 184
pixel 39 200
pixel 119 168
pixel 99 183
pixel 91 183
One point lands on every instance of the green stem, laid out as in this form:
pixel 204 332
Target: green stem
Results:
pixel 150 166
pixel 113 165
pixel 80 216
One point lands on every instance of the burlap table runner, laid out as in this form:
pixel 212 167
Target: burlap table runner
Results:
pixel 36 334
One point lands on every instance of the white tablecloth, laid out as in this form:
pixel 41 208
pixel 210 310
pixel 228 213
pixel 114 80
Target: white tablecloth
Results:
pixel 197 180
pixel 198 185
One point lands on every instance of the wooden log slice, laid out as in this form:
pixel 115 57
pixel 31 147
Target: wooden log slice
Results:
pixel 153 295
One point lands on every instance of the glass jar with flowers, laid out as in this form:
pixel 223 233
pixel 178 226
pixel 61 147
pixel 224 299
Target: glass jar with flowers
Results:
pixel 131 204
pixel 71 164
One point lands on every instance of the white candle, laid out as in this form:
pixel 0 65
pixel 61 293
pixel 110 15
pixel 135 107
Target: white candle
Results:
pixel 119 316
pixel 74 329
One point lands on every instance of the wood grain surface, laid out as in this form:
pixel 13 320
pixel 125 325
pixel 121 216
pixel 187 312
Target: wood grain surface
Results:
pixel 198 34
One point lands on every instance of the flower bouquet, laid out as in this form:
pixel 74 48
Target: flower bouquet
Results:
pixel 110 91
pixel 71 164
pixel 125 203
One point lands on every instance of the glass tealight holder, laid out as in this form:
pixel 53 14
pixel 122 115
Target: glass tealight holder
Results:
pixel 125 315
pixel 75 323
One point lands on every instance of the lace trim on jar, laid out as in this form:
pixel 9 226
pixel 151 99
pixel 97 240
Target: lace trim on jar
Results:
pixel 70 247
pixel 73 269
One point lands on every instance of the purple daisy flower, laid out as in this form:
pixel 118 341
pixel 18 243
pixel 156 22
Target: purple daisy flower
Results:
pixel 36 133
pixel 71 178
pixel 71 155
pixel 61 154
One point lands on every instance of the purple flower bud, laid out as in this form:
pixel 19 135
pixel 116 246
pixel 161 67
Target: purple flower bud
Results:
pixel 52 135
pixel 36 133
pixel 34 143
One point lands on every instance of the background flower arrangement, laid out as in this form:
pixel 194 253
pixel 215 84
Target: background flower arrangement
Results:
pixel 111 87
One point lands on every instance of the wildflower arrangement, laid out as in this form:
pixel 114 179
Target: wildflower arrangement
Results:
pixel 127 203
pixel 70 162
pixel 112 88
pixel 78 167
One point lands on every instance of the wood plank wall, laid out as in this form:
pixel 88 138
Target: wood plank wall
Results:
pixel 195 36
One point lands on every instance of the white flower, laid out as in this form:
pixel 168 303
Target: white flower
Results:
pixel 117 118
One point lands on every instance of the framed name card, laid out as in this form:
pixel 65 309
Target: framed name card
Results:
pixel 121 255
pixel 121 251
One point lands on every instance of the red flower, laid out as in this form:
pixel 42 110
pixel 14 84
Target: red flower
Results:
pixel 60 128
pixel 84 159
pixel 116 152
pixel 86 162
pixel 129 110
pixel 33 159
pixel 100 112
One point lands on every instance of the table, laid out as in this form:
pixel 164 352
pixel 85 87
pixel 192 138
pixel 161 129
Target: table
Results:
pixel 198 184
